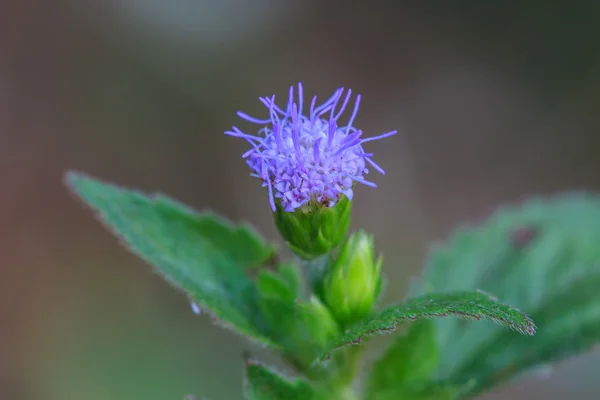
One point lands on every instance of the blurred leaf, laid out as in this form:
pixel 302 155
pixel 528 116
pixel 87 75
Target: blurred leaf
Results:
pixel 285 283
pixel 200 253
pixel 271 284
pixel 542 257
pixel 264 384
pixel 420 393
pixel 292 277
pixel 468 305
pixel 412 358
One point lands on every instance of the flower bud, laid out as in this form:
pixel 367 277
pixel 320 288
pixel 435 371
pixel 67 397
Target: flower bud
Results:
pixel 314 229
pixel 352 285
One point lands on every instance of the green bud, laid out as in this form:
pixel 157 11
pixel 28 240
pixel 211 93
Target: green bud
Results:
pixel 314 229
pixel 352 285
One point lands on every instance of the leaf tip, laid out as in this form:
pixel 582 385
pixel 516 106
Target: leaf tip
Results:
pixel 80 183
pixel 525 327
pixel 248 360
pixel 530 328
pixel 72 178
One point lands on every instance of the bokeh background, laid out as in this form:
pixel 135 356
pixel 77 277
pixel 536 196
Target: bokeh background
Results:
pixel 495 101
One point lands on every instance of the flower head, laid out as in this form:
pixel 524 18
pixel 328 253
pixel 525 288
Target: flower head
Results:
pixel 308 158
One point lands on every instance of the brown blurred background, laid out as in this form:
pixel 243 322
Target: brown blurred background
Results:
pixel 495 101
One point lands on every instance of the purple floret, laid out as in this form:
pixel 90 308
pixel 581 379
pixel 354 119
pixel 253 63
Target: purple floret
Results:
pixel 308 158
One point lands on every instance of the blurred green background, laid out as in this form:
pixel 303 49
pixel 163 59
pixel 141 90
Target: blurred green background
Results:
pixel 495 101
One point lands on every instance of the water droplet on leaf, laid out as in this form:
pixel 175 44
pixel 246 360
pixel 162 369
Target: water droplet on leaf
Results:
pixel 195 307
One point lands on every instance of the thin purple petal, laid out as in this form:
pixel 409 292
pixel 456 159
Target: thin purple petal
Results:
pixel 374 165
pixel 312 108
pixel 300 98
pixel 317 151
pixel 344 104
pixel 252 119
pixel 360 180
pixel 286 153
pixel 382 136
pixel 354 112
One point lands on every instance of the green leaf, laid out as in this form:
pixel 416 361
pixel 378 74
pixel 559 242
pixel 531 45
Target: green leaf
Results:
pixel 271 284
pixel 412 358
pixel 441 392
pixel 542 257
pixel 202 254
pixel 466 305
pixel 263 383
pixel 293 279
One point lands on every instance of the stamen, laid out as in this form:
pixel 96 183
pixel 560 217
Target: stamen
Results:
pixel 352 137
pixel 271 199
pixel 300 98
pixel 277 136
pixel 354 112
pixel 339 96
pixel 295 138
pixel 317 151
pixel 328 102
pixel 344 104
pixel 352 140
pixel 290 99
pixel 272 106
pixel 312 109
pixel 382 136
pixel 331 133
pixel 269 156
pixel 248 153
pixel 360 180
pixel 270 102
pixel 237 133
pixel 374 165
pixel 252 119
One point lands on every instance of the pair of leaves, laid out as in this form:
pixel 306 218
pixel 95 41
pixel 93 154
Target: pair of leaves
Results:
pixel 212 260
pixel 542 257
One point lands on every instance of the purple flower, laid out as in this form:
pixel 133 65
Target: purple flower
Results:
pixel 306 158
